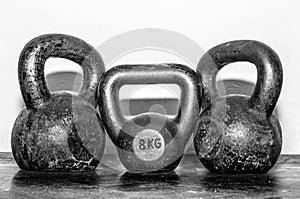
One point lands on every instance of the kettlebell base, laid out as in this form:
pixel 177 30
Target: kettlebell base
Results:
pixel 71 166
pixel 235 139
pixel 63 135
pixel 169 168
pixel 238 170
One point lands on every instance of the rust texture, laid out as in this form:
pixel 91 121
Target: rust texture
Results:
pixel 237 133
pixel 58 131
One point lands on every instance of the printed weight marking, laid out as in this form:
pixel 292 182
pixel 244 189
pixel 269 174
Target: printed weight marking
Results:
pixel 148 145
pixel 152 144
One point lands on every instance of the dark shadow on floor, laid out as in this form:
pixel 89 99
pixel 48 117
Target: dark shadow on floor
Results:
pixel 148 181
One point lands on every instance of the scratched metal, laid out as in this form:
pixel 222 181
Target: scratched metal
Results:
pixel 238 133
pixel 58 131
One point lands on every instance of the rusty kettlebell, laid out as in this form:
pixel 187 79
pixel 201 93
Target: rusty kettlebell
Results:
pixel 58 131
pixel 150 141
pixel 238 133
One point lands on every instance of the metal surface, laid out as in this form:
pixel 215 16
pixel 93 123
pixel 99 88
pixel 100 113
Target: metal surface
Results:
pixel 175 132
pixel 58 131
pixel 37 51
pixel 267 62
pixel 238 133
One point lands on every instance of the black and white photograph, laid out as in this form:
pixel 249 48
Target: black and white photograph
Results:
pixel 150 99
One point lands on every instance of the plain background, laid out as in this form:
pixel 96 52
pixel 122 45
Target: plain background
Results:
pixel 276 23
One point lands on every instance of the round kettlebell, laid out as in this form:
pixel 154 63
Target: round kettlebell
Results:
pixel 150 141
pixel 58 131
pixel 238 133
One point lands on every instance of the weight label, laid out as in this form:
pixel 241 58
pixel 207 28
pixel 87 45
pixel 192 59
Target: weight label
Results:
pixel 148 145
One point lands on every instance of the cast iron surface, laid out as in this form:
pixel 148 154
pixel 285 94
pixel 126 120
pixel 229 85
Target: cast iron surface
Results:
pixel 238 133
pixel 58 131
pixel 175 132
pixel 189 180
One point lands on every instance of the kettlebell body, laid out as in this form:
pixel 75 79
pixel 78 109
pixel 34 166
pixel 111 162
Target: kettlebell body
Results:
pixel 58 131
pixel 150 142
pixel 238 133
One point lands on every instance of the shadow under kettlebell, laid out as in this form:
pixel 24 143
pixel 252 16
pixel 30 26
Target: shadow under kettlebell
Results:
pixel 148 181
pixel 32 184
pixel 256 184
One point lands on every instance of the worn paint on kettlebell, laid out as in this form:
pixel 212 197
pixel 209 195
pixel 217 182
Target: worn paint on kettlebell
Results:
pixel 58 131
pixel 238 133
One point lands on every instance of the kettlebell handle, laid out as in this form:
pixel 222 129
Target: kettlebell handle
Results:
pixel 38 50
pixel 183 76
pixel 268 65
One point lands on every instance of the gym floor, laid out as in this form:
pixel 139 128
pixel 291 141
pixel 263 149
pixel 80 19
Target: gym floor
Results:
pixel 189 180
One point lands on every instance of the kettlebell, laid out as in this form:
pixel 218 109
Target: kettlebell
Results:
pixel 58 131
pixel 239 133
pixel 150 142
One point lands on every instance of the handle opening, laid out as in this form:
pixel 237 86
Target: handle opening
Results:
pixel 32 64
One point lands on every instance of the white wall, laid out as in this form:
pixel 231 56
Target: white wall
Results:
pixel 208 23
